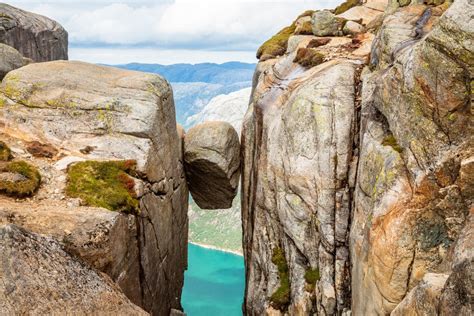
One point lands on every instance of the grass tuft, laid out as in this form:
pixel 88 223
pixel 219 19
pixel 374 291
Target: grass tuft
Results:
pixel 5 152
pixel 343 7
pixel 311 276
pixel 19 178
pixel 104 184
pixel 278 43
pixel 281 297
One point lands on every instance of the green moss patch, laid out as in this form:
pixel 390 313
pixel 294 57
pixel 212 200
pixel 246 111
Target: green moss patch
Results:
pixel 311 276
pixel 308 57
pixel 343 7
pixel 104 184
pixel 19 179
pixel 392 142
pixel 278 43
pixel 5 152
pixel 281 297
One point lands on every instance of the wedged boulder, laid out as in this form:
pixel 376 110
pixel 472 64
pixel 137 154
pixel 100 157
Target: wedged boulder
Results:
pixel 106 240
pixel 212 163
pixel 39 277
pixel 33 35
pixel 10 59
pixel 92 115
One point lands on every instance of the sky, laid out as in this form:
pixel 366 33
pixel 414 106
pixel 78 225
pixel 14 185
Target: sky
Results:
pixel 169 31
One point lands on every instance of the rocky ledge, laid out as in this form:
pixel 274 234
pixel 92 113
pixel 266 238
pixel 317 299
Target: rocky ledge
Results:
pixel 84 151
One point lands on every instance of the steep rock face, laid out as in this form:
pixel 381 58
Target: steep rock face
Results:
pixel 298 141
pixel 356 170
pixel 34 36
pixel 89 112
pixel 39 277
pixel 412 195
pixel 212 163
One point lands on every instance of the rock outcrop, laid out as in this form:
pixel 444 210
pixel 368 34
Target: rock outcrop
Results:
pixel 34 36
pixel 78 121
pixel 357 155
pixel 39 277
pixel 212 163
pixel 10 59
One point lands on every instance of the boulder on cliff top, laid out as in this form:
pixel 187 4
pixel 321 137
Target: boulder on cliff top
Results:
pixel 34 36
pixel 10 59
pixel 325 23
pixel 212 164
pixel 39 277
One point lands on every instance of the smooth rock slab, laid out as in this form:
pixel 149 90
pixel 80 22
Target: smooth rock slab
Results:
pixel 40 278
pixel 212 163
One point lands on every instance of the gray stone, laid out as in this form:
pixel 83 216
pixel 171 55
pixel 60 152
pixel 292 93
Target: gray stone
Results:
pixel 325 23
pixel 10 59
pixel 39 277
pixel 212 164
pixel 33 35
pixel 352 28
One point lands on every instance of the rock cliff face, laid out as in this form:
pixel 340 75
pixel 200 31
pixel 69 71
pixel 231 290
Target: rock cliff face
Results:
pixel 33 35
pixel 73 124
pixel 357 163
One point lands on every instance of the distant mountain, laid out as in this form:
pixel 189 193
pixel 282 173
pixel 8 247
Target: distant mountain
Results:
pixel 226 107
pixel 195 85
pixel 227 73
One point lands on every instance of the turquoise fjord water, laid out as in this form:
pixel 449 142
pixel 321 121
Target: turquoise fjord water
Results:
pixel 214 283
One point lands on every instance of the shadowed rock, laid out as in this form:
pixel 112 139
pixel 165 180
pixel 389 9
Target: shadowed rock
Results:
pixel 212 163
pixel 33 35
pixel 39 277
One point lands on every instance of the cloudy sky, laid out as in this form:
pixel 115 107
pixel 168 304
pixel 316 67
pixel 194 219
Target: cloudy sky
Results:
pixel 169 31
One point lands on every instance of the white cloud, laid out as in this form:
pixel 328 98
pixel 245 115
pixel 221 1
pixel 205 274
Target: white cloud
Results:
pixel 150 30
pixel 233 24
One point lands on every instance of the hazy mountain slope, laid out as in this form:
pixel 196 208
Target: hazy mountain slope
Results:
pixel 227 73
pixel 227 107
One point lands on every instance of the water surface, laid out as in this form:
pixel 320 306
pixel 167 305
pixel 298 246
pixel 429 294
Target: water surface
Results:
pixel 214 283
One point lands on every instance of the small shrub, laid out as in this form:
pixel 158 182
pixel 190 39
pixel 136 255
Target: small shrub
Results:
pixel 5 152
pixel 40 150
pixel 308 57
pixel 26 185
pixel 104 184
pixel 343 7
pixel 281 297
pixel 392 142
